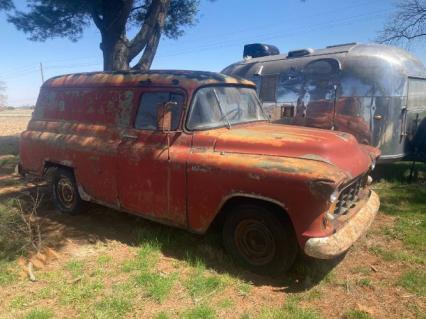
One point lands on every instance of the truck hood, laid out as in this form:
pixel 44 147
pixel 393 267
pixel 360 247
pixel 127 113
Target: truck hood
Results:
pixel 335 148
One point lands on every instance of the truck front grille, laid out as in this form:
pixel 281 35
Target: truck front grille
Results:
pixel 349 196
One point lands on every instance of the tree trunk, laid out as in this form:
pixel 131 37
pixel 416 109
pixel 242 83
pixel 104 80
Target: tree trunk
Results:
pixel 149 53
pixel 150 36
pixel 115 53
pixel 111 21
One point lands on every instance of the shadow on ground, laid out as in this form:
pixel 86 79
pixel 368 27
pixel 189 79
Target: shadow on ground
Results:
pixel 100 224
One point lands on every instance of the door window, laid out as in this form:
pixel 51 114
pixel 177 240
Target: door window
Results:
pixel 146 118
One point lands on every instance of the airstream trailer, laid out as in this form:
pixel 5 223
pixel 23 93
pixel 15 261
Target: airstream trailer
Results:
pixel 375 92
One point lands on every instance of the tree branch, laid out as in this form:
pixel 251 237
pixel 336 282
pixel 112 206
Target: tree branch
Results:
pixel 157 11
pixel 408 23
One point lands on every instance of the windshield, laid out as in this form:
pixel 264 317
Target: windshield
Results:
pixel 224 106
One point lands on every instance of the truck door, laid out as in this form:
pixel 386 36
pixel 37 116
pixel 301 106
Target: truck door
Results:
pixel 152 163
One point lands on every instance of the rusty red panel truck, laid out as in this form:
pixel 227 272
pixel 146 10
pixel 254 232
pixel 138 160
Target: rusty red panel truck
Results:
pixel 189 148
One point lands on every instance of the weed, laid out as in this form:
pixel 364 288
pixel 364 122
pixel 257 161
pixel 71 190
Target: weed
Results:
pixel 112 307
pixel 356 314
pixel 39 314
pixel 199 312
pixel 290 310
pixel 200 285
pixel 79 292
pixel 155 285
pixel 104 260
pixel 225 303
pixel 75 268
pixel 243 288
pixel 403 256
pixel 7 273
pixel 146 258
pixel 364 282
pixel 414 281
pixel 161 315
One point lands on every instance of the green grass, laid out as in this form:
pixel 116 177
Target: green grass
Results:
pixel 155 285
pixel 290 310
pixel 104 260
pixel 112 307
pixel 8 273
pixel 75 268
pixel 161 315
pixel 200 284
pixel 146 258
pixel 9 161
pixel 80 292
pixel 408 204
pixel 393 256
pixel 199 312
pixel 39 314
pixel 356 314
pixel 414 281
pixel 364 282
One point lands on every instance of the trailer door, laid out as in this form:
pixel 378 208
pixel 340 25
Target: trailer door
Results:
pixel 416 108
pixel 319 93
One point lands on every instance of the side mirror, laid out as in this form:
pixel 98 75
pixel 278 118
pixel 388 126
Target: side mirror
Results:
pixel 164 116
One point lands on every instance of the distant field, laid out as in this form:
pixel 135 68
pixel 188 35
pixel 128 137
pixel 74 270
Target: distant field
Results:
pixel 12 123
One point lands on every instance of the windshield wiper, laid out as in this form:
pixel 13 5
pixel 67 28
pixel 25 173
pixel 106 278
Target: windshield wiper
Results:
pixel 221 110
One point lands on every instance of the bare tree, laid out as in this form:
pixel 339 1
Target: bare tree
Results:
pixel 406 25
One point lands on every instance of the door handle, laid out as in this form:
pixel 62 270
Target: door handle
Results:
pixel 378 117
pixel 129 137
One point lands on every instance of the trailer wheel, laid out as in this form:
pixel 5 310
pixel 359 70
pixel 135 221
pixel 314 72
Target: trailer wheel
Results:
pixel 65 192
pixel 259 240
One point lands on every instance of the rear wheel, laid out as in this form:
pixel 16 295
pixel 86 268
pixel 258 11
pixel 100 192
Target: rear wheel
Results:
pixel 65 192
pixel 258 239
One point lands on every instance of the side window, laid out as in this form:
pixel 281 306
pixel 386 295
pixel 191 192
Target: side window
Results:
pixel 146 118
pixel 267 88
pixel 290 86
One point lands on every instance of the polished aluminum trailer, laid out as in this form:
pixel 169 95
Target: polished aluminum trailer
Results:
pixel 375 92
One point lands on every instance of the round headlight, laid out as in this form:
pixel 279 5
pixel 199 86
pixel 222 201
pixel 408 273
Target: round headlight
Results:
pixel 334 196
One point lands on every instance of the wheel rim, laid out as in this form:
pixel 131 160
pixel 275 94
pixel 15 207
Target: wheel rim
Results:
pixel 255 242
pixel 66 192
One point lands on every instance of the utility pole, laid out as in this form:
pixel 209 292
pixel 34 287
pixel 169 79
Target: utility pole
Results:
pixel 41 72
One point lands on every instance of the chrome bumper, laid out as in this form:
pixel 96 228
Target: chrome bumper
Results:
pixel 339 242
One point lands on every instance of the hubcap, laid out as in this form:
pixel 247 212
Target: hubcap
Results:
pixel 66 192
pixel 255 242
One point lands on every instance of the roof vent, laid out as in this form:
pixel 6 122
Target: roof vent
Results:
pixel 341 45
pixel 299 53
pixel 257 50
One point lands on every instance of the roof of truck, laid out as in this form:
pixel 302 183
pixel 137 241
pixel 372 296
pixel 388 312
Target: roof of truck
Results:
pixel 182 78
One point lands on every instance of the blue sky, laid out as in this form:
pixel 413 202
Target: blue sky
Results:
pixel 215 42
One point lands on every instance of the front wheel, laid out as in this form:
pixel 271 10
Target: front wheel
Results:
pixel 259 240
pixel 65 192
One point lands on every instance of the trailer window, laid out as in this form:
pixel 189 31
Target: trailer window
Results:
pixel 268 87
pixel 290 86
pixel 416 93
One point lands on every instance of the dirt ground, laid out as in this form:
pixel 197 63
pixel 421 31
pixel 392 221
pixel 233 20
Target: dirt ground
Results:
pixel 361 284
